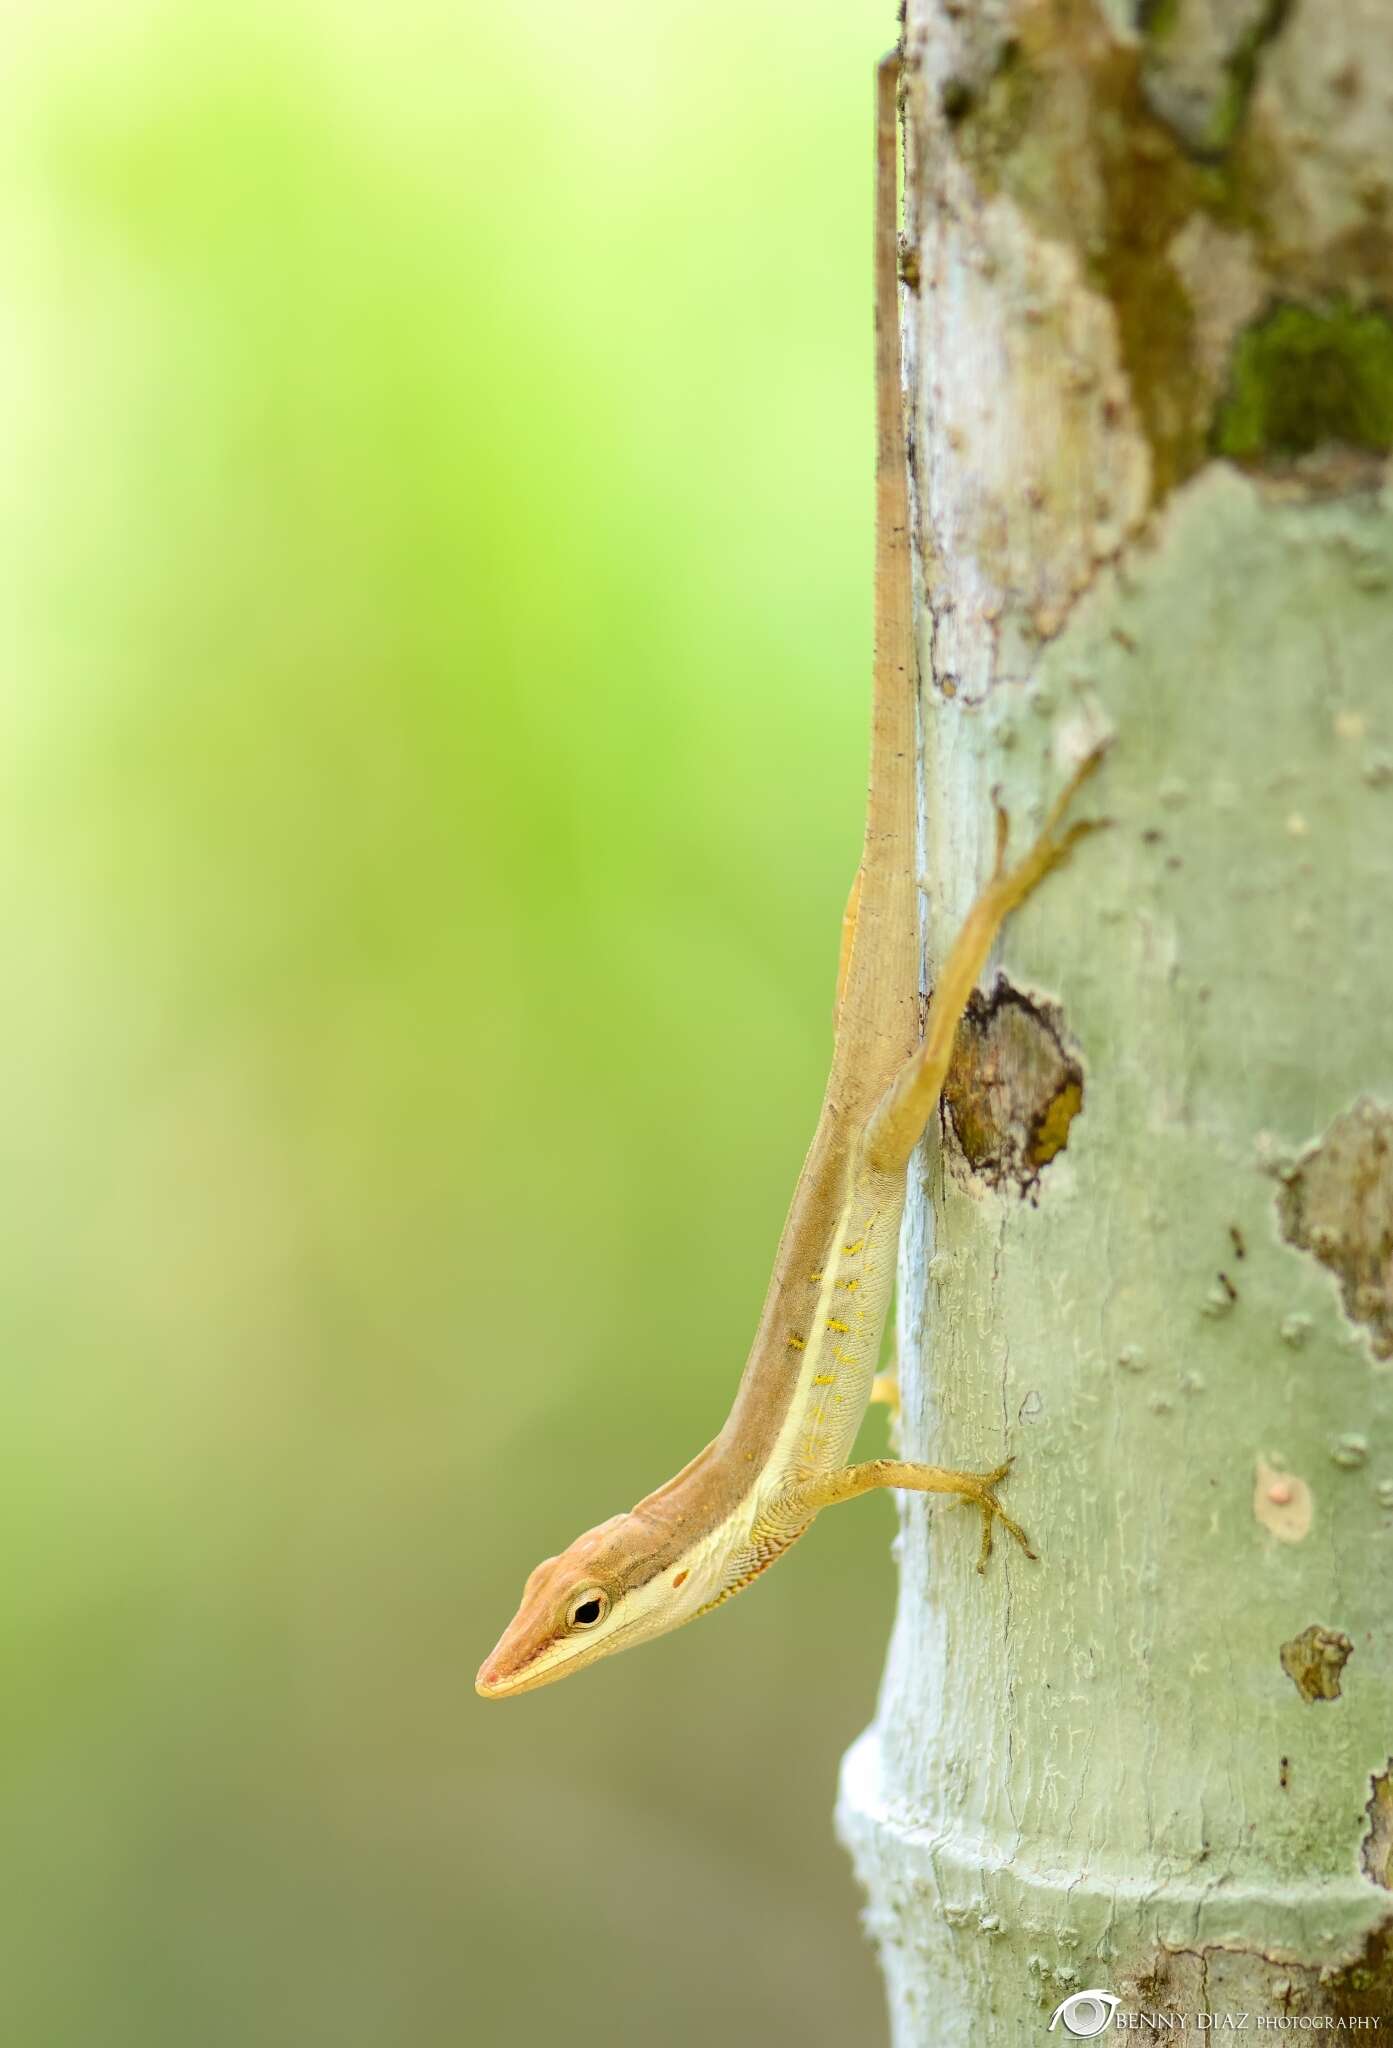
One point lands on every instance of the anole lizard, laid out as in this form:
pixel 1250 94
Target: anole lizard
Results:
pixel 781 1456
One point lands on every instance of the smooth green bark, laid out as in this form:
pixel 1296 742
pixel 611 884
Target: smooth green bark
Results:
pixel 1090 1770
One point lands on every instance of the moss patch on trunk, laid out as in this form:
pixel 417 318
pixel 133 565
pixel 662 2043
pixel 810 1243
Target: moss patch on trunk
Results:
pixel 1305 375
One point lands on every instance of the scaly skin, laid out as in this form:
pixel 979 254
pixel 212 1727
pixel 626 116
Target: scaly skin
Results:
pixel 780 1457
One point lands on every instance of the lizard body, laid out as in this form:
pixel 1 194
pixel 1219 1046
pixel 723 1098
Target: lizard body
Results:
pixel 780 1457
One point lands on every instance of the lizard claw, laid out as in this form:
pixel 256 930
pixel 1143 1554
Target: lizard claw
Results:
pixel 980 1492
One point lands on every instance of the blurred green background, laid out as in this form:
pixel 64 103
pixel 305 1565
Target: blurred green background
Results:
pixel 436 527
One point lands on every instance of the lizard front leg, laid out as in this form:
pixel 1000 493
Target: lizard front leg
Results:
pixel 977 1489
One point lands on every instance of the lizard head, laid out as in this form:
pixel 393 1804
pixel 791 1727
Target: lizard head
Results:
pixel 575 1608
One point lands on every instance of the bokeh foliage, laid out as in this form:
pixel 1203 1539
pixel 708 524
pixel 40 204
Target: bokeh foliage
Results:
pixel 437 540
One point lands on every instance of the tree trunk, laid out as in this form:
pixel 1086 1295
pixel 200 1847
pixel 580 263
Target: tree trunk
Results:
pixel 1151 392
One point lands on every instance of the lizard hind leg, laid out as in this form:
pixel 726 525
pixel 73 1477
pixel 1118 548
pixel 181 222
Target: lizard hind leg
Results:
pixel 899 1118
pixel 885 1388
pixel 973 1489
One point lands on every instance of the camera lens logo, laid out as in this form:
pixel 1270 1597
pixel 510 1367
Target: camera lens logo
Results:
pixel 1085 2014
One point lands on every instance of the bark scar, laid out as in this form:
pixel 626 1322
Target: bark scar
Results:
pixel 1014 1088
pixel 1314 1660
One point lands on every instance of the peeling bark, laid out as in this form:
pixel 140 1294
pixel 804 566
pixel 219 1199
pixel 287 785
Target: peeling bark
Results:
pixel 1336 1202
pixel 1376 1852
pixel 1150 334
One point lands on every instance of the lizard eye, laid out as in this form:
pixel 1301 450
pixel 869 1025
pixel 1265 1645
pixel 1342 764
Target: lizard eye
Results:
pixel 588 1606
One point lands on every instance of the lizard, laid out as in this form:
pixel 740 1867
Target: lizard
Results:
pixel 781 1456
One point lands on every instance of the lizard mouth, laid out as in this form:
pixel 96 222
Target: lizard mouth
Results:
pixel 498 1679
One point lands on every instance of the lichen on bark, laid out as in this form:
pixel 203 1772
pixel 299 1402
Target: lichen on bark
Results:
pixel 1199 64
pixel 1232 300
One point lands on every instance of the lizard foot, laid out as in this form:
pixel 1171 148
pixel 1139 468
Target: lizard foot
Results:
pixel 978 1490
